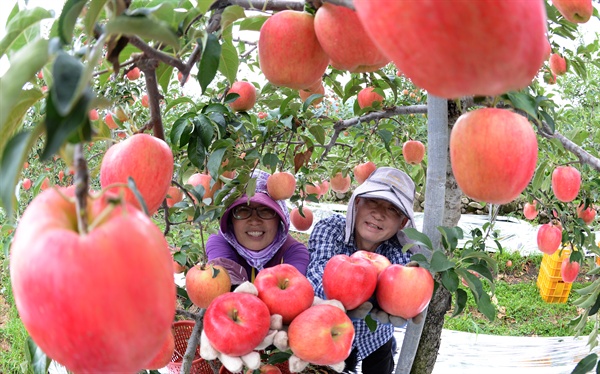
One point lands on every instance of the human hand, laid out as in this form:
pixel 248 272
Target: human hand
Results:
pixel 361 311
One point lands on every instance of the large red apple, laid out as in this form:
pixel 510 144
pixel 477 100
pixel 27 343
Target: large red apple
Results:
pixel 163 357
pixel 558 64
pixel 343 38
pixel 493 153
pixel 566 181
pixel 367 97
pixel 299 222
pixel 413 152
pixel 530 210
pixel 281 185
pixel 351 280
pixel 404 291
pixel 569 270
pixel 491 51
pixel 204 283
pixel 284 290
pixel 146 159
pixel 576 11
pixel 362 171
pixel 80 293
pixel 247 98
pixel 236 322
pixel 379 261
pixel 549 238
pixel 321 335
pixel 174 195
pixel 587 215
pixel 205 180
pixel 339 183
pixel 288 50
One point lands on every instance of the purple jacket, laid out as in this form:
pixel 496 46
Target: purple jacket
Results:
pixel 291 252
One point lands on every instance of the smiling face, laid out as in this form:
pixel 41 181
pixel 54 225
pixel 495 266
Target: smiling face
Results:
pixel 255 233
pixel 376 221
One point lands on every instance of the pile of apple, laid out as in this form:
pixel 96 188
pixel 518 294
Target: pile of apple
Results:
pixel 399 290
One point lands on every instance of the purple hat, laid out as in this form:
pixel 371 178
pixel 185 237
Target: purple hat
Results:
pixel 258 259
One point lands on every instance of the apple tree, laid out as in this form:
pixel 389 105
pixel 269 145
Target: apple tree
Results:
pixel 114 69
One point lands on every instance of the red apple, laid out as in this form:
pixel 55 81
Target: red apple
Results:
pixel 262 115
pixel 266 369
pixel 569 270
pixel 26 184
pixel 40 74
pixel 549 77
pixel 549 238
pixel 321 335
pixel 133 74
pixel 509 263
pixel 247 98
pixel 379 261
pixel 339 183
pixel 174 195
pixel 576 11
pixel 236 322
pixel 110 122
pixel 289 53
pixel 558 65
pixel 301 223
pixel 281 185
pixel 367 97
pixel 413 152
pixel 351 280
pixel 319 89
pixel 362 171
pixel 491 52
pixel 61 175
pixel 324 186
pixel 93 115
pixel 163 357
pixel 146 159
pixel 205 180
pixel 343 38
pixel 284 290
pixel 313 189
pixel 145 101
pixel 493 153
pixel 566 181
pixel 530 210
pixel 587 215
pixel 204 283
pixel 45 184
pixel 404 291
pixel 77 293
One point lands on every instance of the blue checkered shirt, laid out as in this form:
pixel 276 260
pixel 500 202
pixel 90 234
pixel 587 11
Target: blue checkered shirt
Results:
pixel 327 240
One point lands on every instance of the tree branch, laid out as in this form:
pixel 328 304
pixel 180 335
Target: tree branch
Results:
pixel 193 342
pixel 81 189
pixel 154 53
pixel 275 5
pixel 583 156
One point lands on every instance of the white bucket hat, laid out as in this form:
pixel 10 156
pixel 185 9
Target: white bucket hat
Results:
pixel 388 184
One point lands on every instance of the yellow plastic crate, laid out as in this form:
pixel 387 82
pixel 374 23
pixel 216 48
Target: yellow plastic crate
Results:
pixel 552 288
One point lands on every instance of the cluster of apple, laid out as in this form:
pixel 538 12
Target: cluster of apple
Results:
pixel 403 291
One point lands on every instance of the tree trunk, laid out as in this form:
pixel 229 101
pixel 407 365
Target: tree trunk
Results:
pixel 429 343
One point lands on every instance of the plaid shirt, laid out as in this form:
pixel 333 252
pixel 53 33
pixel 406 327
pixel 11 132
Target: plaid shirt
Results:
pixel 327 240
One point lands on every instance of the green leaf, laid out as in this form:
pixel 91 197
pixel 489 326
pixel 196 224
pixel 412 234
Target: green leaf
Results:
pixel 196 153
pixel 204 129
pixel 371 323
pixel 179 100
pixel 93 13
pixel 450 280
pixel 586 365
pixel 229 62
pixel 214 162
pixel 253 23
pixel 309 101
pixel 66 72
pixel 13 156
pixel 482 270
pixel 68 19
pixel 144 27
pixel 204 5
pixel 26 100
pixel 181 130
pixel 17 27
pixel 40 363
pixel 419 237
pixel 439 262
pixel 450 236
pixel 270 160
pixel 318 132
pixel 485 306
pixel 460 301
pixel 540 173
pixel 209 62
pixel 231 14
pixel 23 67
pixel 279 357
pixel 163 76
pixel 523 101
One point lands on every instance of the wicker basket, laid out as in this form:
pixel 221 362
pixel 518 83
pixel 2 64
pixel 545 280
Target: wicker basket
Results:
pixel 182 330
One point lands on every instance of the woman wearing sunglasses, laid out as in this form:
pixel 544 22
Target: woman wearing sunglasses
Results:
pixel 254 234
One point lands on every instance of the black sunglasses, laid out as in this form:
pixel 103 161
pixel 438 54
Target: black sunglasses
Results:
pixel 244 212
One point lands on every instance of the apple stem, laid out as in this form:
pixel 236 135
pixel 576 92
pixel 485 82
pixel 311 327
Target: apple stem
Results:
pixel 81 189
